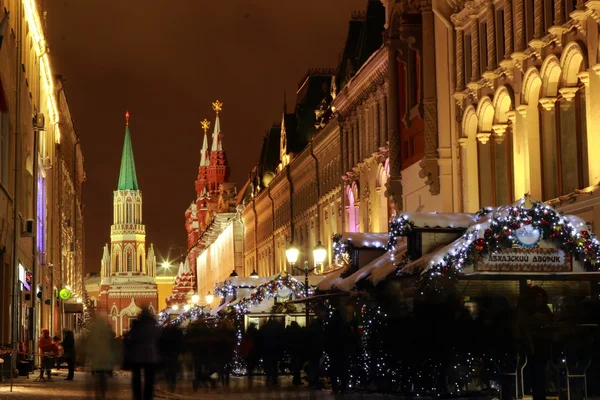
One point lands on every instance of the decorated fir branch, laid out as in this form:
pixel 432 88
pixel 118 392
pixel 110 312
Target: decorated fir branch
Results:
pixel 227 290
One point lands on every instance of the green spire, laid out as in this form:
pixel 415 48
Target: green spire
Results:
pixel 127 177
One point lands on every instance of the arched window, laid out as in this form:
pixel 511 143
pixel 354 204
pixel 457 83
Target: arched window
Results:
pixel 129 218
pixel 495 170
pixel 129 262
pixel 117 265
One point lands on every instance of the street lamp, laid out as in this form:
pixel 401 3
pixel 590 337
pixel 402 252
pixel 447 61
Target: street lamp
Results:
pixel 175 307
pixel 195 299
pixel 254 274
pixel 291 253
pixel 209 298
pixel 165 265
pixel 319 254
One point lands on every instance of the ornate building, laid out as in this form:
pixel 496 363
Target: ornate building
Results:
pixel 214 250
pixel 526 87
pixel 127 272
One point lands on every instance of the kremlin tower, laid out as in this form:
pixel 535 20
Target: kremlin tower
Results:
pixel 214 195
pixel 127 270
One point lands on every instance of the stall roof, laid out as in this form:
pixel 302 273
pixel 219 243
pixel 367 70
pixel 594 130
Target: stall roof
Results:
pixel 330 279
pixel 439 220
pixel 384 261
pixel 366 240
pixel 248 282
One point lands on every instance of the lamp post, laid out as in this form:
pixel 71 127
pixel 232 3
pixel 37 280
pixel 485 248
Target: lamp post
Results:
pixel 319 255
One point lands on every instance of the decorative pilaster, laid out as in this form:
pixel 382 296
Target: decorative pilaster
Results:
pixel 343 146
pixel 394 183
pixel 499 131
pixel 475 73
pixel 491 37
pixel 383 115
pixel 548 103
pixel 460 62
pixel 356 139
pixel 376 122
pixel 568 93
pixel 483 137
pixel 430 168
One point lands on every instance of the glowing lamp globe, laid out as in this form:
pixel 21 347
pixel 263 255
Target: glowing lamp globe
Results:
pixel 195 299
pixel 209 298
pixel 319 253
pixel 291 253
pixel 165 265
pixel 175 307
pixel 186 308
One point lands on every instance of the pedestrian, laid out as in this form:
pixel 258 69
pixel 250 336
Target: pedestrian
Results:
pixel 225 346
pixel 171 347
pixel 142 353
pixel 295 341
pixel 68 345
pixel 199 346
pixel 100 352
pixel 49 350
pixel 314 348
pixel 271 347
pixel 249 350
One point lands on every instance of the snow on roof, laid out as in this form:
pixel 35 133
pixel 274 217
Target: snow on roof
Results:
pixel 348 283
pixel 439 220
pixel 386 262
pixel 330 279
pixel 366 240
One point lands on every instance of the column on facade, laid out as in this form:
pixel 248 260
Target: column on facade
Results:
pixel 475 48
pixel 350 143
pixel 508 29
pixel 376 123
pixel 362 134
pixel 383 131
pixel 343 146
pixel 519 21
pixel 559 17
pixel 394 187
pixel 357 141
pixel 592 112
pixel 538 15
pixel 460 61
pixel 491 36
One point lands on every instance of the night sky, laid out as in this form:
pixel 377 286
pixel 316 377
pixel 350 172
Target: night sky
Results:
pixel 165 62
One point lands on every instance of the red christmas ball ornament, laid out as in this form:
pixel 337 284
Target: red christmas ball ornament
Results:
pixel 488 231
pixel 585 234
pixel 527 222
pixel 480 242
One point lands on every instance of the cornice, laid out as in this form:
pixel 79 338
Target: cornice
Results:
pixel 369 77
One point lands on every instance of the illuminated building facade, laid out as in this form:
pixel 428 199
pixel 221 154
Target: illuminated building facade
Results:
pixel 41 182
pixel 127 271
pixel 214 235
pixel 527 88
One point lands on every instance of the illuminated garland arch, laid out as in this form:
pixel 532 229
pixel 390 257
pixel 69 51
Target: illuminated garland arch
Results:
pixel 495 230
pixel 264 292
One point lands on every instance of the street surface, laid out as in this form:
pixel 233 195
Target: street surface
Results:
pixel 119 389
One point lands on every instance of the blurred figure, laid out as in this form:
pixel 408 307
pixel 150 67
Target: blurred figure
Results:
pixel 294 336
pixel 199 345
pixel 271 346
pixel 314 346
pixel 142 344
pixel 68 345
pixel 49 351
pixel 249 350
pixel 100 352
pixel 225 345
pixel 171 347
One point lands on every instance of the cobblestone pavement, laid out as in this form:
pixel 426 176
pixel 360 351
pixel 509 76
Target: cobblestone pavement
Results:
pixel 119 388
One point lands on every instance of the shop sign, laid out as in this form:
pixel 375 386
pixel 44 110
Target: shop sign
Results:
pixel 527 260
pixel 24 278
pixel 528 236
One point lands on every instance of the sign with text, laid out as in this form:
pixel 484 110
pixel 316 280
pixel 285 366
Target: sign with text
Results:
pixel 526 260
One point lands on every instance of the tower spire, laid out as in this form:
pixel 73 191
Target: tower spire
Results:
pixel 204 156
pixel 216 139
pixel 127 176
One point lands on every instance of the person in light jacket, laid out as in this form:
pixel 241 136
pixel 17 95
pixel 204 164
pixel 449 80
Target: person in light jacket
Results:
pixel 100 352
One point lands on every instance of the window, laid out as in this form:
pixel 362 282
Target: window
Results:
pixel 483 45
pixel 495 171
pixel 4 145
pixel 129 262
pixel 117 265
pixel 128 219
pixel 500 35
pixel 563 145
pixel 468 59
pixel 529 21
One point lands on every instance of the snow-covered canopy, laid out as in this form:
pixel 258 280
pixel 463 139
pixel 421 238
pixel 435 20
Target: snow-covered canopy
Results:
pixel 330 279
pixel 439 220
pixel 365 240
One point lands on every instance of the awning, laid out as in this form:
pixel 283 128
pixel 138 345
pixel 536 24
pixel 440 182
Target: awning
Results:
pixel 350 282
pixel 330 279
pixel 366 240
pixel 73 308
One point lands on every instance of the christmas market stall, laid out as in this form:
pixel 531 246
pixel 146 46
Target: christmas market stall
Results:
pixel 255 299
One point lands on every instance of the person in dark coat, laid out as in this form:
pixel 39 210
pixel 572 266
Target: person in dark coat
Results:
pixel 271 347
pixel 142 353
pixel 314 347
pixel 171 346
pixel 68 345
pixel 198 341
pixel 294 336
pixel 250 351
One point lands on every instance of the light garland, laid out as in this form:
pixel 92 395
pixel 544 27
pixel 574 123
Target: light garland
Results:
pixel 228 290
pixel 264 292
